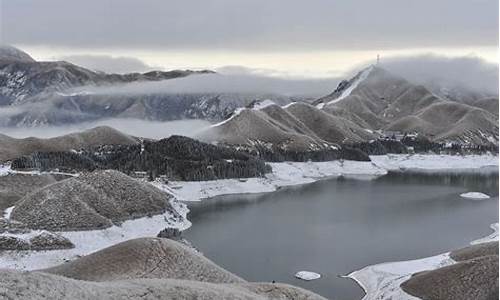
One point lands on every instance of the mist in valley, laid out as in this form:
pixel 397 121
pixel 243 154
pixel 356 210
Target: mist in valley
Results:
pixel 134 127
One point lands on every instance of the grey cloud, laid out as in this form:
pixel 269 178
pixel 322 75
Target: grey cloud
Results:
pixel 468 72
pixel 135 127
pixel 220 83
pixel 280 25
pixel 109 64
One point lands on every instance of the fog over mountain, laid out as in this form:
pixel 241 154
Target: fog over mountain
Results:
pixel 134 127
pixel 109 64
pixel 468 72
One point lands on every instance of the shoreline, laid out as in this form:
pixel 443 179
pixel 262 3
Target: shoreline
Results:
pixel 284 174
pixel 297 173
pixel 382 281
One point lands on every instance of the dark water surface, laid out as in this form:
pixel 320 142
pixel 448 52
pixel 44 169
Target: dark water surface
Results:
pixel 336 226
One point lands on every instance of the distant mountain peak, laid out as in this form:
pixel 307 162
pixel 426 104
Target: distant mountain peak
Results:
pixel 10 53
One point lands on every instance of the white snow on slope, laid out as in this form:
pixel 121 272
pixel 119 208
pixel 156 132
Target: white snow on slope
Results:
pixel 7 212
pixel 235 113
pixel 382 281
pixel 263 104
pixel 364 74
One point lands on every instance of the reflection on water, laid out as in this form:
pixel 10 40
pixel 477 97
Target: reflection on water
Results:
pixel 336 226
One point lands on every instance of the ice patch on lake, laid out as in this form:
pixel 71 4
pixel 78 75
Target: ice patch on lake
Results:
pixel 307 275
pixel 474 195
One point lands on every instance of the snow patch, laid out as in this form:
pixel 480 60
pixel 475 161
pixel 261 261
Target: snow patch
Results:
pixel 235 113
pixel 7 212
pixel 435 163
pixel 5 169
pixel 263 104
pixel 364 74
pixel 289 104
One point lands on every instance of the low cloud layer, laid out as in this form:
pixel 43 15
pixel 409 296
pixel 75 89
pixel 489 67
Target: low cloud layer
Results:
pixel 139 128
pixel 109 64
pixel 468 72
pixel 223 84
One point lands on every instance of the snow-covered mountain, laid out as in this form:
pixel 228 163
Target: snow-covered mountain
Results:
pixel 13 54
pixel 376 99
pixel 56 93
pixel 22 78
pixel 296 131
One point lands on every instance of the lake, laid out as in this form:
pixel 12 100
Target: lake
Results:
pixel 336 226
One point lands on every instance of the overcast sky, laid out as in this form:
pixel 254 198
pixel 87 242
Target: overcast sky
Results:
pixel 313 37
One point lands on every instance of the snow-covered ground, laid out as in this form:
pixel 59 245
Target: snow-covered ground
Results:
pixel 436 163
pixel 295 173
pixel 284 174
pixel 5 169
pixel 382 281
pixel 92 240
